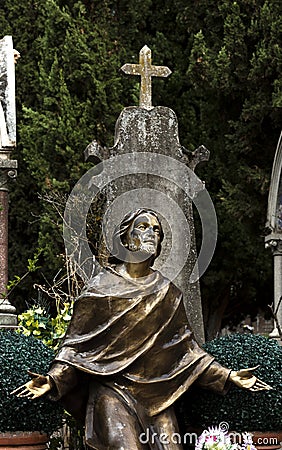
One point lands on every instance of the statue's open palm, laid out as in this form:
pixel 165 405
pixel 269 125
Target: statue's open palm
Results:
pixel 245 379
pixel 34 388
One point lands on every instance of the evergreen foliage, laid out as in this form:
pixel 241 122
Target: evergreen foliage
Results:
pixel 37 322
pixel 242 410
pixel 18 354
pixel 225 89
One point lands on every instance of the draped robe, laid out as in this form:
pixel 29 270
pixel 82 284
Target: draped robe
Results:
pixel 129 341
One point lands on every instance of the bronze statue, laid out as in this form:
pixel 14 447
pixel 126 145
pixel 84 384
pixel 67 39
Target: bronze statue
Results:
pixel 129 351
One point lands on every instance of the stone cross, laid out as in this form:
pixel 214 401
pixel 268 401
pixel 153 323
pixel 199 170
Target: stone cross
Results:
pixel 146 72
pixel 274 239
pixel 143 133
pixel 8 166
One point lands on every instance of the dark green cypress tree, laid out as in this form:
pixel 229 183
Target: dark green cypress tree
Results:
pixel 226 91
pixel 234 71
pixel 70 94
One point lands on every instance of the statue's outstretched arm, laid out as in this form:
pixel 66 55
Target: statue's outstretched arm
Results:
pixel 38 386
pixel 245 379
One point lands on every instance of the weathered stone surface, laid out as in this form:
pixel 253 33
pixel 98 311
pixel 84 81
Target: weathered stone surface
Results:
pixel 149 174
pixel 8 320
pixel 7 93
pixel 155 131
pixel 274 211
pixel 3 242
pixel 7 166
pixel 146 72
pixel 7 171
pixel 8 315
pixel 274 223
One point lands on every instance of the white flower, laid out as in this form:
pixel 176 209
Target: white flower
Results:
pixel 216 439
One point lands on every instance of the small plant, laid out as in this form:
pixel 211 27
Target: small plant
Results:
pixel 242 409
pixel 18 354
pixel 37 322
pixel 32 266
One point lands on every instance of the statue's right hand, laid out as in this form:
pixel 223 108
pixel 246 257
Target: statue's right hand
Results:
pixel 34 388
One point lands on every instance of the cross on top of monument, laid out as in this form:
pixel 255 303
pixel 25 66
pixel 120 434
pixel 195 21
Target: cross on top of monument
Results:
pixel 146 71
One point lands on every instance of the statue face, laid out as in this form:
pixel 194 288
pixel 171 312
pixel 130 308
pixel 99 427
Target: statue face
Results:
pixel 144 234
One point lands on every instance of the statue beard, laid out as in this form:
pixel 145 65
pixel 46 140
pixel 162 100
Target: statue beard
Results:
pixel 145 247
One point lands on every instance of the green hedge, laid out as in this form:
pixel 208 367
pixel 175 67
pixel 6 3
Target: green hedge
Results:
pixel 243 410
pixel 19 353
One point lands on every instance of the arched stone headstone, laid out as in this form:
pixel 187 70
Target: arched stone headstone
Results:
pixel 148 129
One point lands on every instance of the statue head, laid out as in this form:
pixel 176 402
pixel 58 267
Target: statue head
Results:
pixel 141 231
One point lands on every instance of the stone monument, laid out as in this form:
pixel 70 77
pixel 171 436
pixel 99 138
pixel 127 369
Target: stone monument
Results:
pixel 8 166
pixel 274 239
pixel 145 131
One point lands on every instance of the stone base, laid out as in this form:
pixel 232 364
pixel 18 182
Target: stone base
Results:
pixel 8 320
pixel 274 333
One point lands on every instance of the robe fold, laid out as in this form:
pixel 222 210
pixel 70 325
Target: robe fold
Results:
pixel 132 337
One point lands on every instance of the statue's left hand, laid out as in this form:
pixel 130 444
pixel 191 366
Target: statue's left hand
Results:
pixel 34 388
pixel 245 379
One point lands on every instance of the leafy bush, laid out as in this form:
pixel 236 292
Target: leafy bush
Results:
pixel 243 410
pixel 19 353
pixel 37 322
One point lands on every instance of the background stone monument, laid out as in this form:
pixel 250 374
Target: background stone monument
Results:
pixel 274 239
pixel 154 130
pixel 8 166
